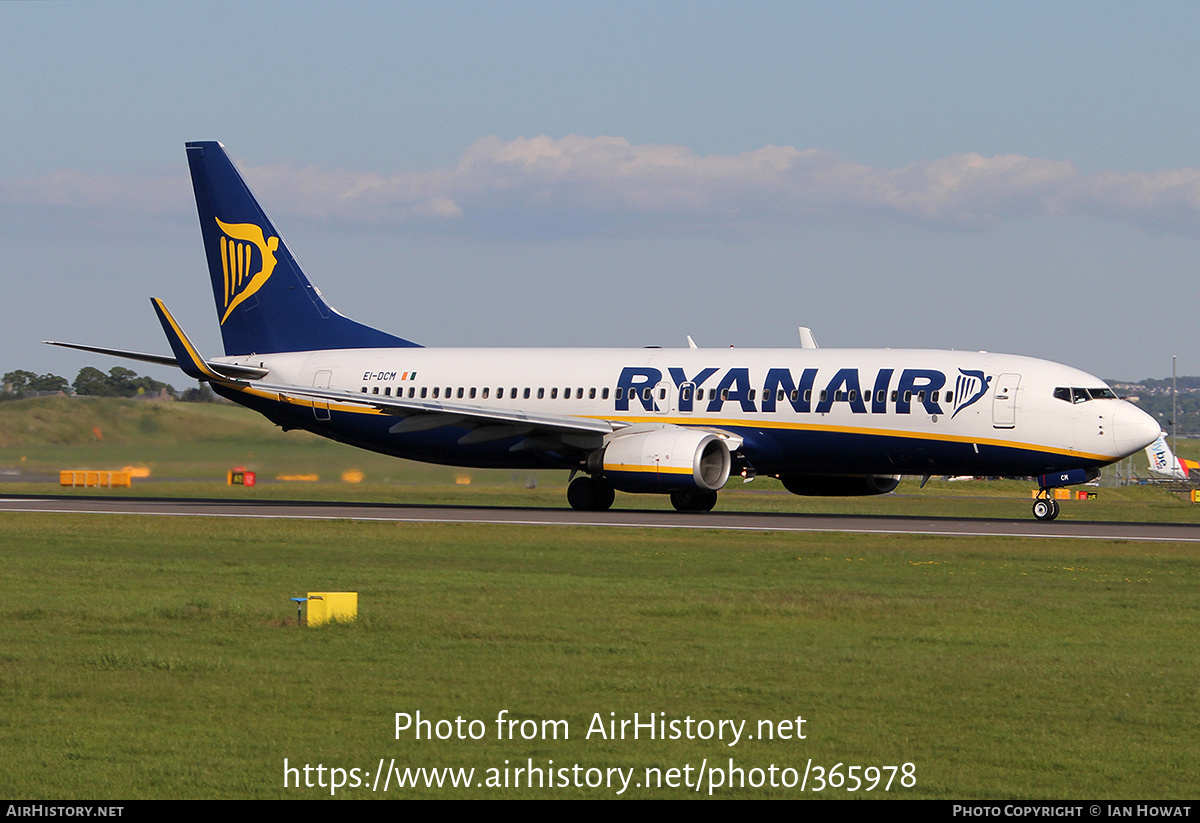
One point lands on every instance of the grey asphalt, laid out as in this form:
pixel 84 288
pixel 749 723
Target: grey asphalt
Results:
pixel 621 518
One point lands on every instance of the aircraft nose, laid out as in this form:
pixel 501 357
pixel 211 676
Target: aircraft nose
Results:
pixel 1133 429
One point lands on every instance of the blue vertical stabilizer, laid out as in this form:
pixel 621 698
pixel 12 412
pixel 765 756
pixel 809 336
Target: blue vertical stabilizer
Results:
pixel 265 302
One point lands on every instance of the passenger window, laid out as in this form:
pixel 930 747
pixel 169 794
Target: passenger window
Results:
pixel 795 395
pixel 554 393
pixel 424 389
pixel 412 390
pixel 541 393
pixel 485 392
pixel 685 394
pixel 435 392
pixel 646 395
pixel 620 392
pixel 949 397
pixel 604 393
pixel 364 391
pixel 591 394
pixel 472 392
pixel 374 390
pixel 388 391
pixel 579 393
pixel 527 393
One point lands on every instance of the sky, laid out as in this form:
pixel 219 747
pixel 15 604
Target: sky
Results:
pixel 1018 177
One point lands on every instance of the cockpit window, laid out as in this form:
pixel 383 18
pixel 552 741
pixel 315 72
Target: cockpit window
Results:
pixel 1076 394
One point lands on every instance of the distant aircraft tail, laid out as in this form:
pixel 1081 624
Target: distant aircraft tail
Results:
pixel 1164 463
pixel 264 300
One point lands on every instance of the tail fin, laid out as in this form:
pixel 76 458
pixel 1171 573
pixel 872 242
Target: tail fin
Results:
pixel 265 302
pixel 1163 462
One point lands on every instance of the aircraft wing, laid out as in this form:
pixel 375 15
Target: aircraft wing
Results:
pixel 486 423
pixel 229 370
pixel 541 431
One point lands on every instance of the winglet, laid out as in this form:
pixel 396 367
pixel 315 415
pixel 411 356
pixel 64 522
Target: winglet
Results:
pixel 186 356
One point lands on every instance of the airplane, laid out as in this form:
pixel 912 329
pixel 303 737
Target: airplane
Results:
pixel 680 422
pixel 1164 463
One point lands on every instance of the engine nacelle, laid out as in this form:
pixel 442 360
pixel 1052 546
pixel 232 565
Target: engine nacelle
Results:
pixel 832 485
pixel 669 459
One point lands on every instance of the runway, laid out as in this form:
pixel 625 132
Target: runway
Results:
pixel 619 518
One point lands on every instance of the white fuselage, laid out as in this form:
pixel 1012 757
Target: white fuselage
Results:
pixel 798 410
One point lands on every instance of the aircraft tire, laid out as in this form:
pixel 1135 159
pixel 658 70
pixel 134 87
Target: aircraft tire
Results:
pixel 590 494
pixel 1041 509
pixel 606 492
pixel 693 501
pixel 1045 508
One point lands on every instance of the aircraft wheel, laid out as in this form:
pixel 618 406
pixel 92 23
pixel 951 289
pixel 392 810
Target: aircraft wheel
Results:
pixel 693 501
pixel 607 494
pixel 1045 508
pixel 589 494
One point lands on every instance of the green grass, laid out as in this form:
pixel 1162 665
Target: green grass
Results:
pixel 159 657
pixel 156 657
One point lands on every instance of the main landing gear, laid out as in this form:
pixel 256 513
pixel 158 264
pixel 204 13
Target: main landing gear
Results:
pixel 595 494
pixel 693 501
pixel 590 494
pixel 1045 508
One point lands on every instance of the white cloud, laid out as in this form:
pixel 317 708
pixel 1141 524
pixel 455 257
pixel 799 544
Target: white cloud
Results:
pixel 583 184
pixel 71 189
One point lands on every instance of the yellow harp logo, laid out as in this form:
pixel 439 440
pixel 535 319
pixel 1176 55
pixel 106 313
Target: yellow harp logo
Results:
pixel 237 259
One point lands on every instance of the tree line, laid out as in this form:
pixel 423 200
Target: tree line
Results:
pixel 91 382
